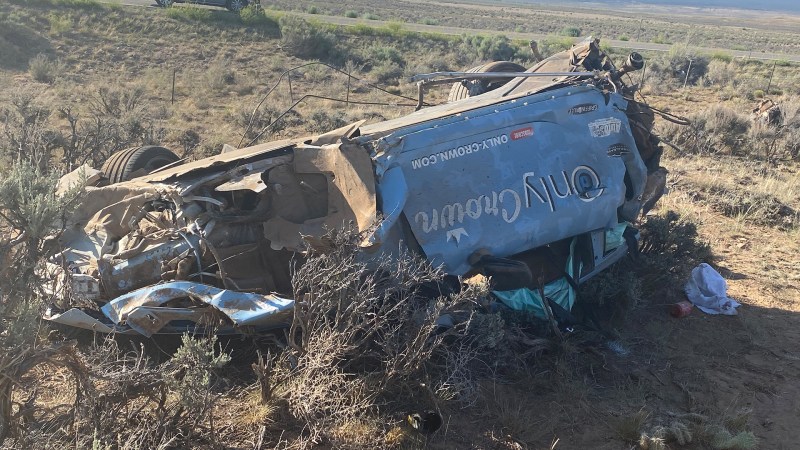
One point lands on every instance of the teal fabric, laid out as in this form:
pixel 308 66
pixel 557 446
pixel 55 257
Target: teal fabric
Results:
pixel 525 299
pixel 614 236
pixel 560 291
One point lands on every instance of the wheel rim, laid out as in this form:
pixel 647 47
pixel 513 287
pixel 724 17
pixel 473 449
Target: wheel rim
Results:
pixel 237 5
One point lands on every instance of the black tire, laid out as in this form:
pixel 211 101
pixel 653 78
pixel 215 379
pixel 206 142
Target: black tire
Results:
pixel 137 161
pixel 460 92
pixel 236 5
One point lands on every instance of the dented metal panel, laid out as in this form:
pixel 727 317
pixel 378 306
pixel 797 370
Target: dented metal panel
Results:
pixel 197 246
pixel 515 178
pixel 242 308
pixel 350 194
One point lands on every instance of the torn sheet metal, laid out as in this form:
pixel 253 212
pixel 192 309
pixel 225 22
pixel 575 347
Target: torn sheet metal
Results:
pixel 81 177
pixel 252 182
pixel 148 320
pixel 74 317
pixel 350 198
pixel 242 308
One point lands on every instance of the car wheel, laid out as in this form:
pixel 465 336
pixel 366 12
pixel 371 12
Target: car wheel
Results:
pixel 236 5
pixel 459 91
pixel 165 3
pixel 137 161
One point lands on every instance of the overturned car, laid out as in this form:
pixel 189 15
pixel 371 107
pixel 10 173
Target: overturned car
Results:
pixel 530 177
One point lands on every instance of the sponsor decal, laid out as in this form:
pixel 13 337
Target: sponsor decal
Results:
pixel 456 234
pixel 618 150
pixel 507 204
pixel 458 152
pixel 583 109
pixel 521 133
pixel 605 127
pixel 582 182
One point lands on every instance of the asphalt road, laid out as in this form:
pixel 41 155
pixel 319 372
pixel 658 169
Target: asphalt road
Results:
pixel 513 35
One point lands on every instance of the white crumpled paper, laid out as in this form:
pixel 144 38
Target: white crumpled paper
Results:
pixel 708 291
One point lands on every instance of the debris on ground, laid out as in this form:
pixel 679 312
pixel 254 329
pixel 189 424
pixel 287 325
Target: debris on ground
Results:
pixel 708 291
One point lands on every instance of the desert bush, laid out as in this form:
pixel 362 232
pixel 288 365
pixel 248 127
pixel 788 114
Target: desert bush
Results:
pixel 571 31
pixel 661 38
pixel 717 129
pixel 59 24
pixel 387 72
pixel 351 14
pixel 386 53
pixel 681 61
pixel 322 120
pixel 117 396
pixel 552 45
pixel 27 134
pixel 721 56
pixel 44 69
pixel 670 247
pixel 253 15
pixel 190 13
pixel 721 73
pixel 31 214
pixel 362 333
pixel 304 39
pixel 218 76
pixel 488 48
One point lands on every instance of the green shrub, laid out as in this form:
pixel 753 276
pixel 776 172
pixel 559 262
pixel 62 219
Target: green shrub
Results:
pixel 555 44
pixel 681 61
pixel 254 16
pixel 624 38
pixel 571 31
pixel 395 29
pixel 322 120
pixel 758 93
pixel 190 13
pixel 429 21
pixel 351 14
pixel 59 24
pixel 661 39
pixel 721 73
pixel 382 53
pixel 494 48
pixel 306 40
pixel 370 16
pixel 387 72
pixel 44 69
pixel 721 56
pixel 313 10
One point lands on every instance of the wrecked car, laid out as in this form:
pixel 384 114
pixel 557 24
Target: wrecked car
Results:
pixel 533 178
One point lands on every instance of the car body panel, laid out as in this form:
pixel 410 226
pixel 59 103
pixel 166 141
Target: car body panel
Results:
pixel 535 167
